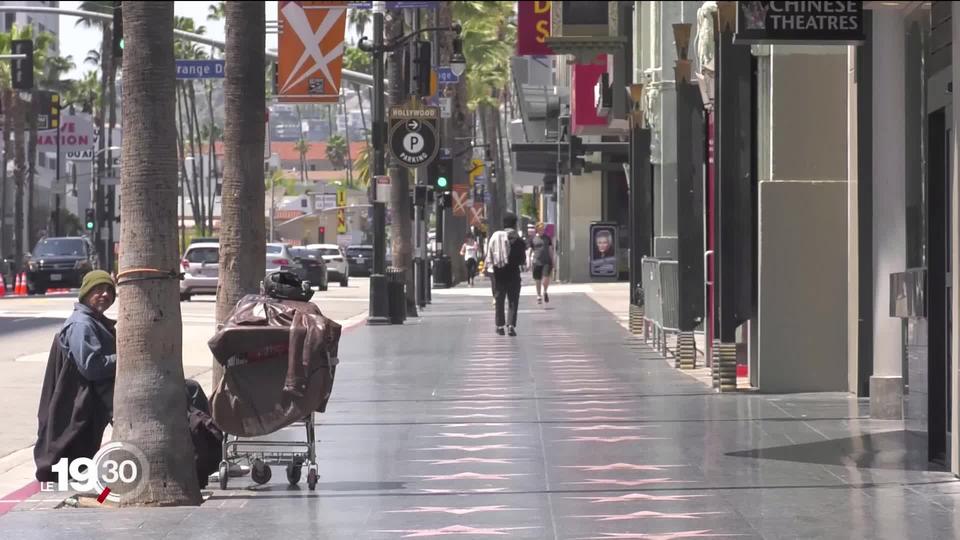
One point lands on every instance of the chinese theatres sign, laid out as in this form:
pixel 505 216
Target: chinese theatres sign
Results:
pixel 810 23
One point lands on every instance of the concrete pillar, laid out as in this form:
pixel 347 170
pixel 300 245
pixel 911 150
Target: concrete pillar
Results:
pixel 803 224
pixel 853 213
pixel 955 253
pixel 665 137
pixel 889 221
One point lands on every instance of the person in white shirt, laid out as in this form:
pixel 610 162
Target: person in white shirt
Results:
pixel 469 251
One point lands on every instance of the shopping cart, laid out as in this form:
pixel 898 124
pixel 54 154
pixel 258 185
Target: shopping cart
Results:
pixel 279 355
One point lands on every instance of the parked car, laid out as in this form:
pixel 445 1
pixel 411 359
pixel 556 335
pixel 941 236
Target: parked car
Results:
pixel 201 269
pixel 315 267
pixel 280 258
pixel 360 259
pixel 337 267
pixel 60 262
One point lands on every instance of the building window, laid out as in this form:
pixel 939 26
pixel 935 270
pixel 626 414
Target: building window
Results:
pixel 303 203
pixel 9 20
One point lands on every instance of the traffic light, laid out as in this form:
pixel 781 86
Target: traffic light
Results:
pixel 22 68
pixel 90 219
pixel 322 232
pixel 117 30
pixel 421 68
pixel 54 122
pixel 440 174
pixel 447 199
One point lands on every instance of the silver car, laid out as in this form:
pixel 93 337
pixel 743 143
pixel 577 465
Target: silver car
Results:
pixel 201 269
pixel 279 258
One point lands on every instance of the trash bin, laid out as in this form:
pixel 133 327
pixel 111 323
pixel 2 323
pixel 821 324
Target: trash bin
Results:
pixel 396 295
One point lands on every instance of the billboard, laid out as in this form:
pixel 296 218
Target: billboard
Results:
pixel 310 62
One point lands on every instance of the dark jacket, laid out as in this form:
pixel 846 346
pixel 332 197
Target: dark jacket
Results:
pixel 91 341
pixel 73 413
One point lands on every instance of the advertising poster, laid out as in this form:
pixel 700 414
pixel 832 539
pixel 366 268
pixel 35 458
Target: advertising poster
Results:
pixel 603 250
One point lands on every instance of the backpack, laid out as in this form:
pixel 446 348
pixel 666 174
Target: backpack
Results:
pixel 207 443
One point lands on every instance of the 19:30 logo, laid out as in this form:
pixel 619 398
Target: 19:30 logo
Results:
pixel 116 472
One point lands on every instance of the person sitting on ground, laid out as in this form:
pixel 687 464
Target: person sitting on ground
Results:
pixel 76 401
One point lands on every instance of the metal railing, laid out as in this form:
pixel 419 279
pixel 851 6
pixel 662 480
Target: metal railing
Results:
pixel 660 283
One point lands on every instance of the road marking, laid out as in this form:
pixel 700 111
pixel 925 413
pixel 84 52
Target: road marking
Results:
pixel 33 358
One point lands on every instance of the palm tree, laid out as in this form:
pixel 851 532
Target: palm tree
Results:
pixel 302 147
pixel 277 184
pixel 337 151
pixel 83 93
pixel 356 60
pixel 361 167
pixel 242 245
pixel 149 385
pixel 216 12
pixel 401 228
pixel 359 18
pixel 41 54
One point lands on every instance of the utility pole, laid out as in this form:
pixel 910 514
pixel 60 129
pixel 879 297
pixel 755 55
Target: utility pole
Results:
pixel 378 309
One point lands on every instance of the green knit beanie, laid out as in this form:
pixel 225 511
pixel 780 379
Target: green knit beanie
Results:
pixel 94 278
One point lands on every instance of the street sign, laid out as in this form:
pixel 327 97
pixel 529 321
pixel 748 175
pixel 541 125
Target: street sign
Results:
pixel 200 69
pixel 311 43
pixel 341 197
pixel 445 153
pixel 22 68
pixel 445 75
pixel 341 221
pixel 446 107
pixel 383 188
pixel 413 139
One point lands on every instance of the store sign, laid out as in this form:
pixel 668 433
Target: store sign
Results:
pixel 810 23
pixel 533 28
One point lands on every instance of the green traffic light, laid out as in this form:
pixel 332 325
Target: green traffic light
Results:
pixel 441 182
pixel 89 226
pixel 121 44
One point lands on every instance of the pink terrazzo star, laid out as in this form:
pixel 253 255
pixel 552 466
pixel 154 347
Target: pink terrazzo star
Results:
pixel 704 533
pixel 620 467
pixel 473 435
pixel 483 408
pixel 476 448
pixel 602 427
pixel 475 415
pixel 648 514
pixel 456 530
pixel 602 419
pixel 597 402
pixel 624 438
pixel 463 491
pixel 632 497
pixel 455 511
pixel 466 476
pixel 590 409
pixel 461 461
pixel 630 483
pixel 475 424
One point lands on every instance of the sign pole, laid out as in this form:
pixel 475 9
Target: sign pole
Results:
pixel 379 308
pixel 56 216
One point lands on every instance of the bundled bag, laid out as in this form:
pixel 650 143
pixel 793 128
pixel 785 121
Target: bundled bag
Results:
pixel 280 359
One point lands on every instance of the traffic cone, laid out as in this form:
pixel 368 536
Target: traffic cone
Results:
pixel 24 291
pixel 18 285
pixel 3 287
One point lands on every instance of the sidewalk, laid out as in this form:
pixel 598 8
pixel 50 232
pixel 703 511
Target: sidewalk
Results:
pixel 573 429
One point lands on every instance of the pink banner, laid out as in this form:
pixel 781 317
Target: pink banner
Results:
pixel 533 28
pixel 584 106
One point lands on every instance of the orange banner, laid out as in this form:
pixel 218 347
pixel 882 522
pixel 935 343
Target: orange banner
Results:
pixel 460 197
pixel 310 60
pixel 478 214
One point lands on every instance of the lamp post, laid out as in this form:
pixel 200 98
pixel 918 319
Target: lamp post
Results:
pixel 378 310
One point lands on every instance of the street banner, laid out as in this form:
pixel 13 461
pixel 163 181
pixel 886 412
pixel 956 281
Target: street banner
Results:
pixel 341 197
pixel 341 221
pixel 478 214
pixel 603 250
pixel 533 28
pixel 460 195
pixel 476 171
pixel 77 137
pixel 310 59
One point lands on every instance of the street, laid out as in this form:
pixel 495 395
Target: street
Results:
pixel 28 325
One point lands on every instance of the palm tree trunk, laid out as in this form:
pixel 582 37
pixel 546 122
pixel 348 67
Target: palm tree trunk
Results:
pixel 214 171
pixel 106 48
pixel 31 171
pixel 181 140
pixel 242 228
pixel 457 129
pixel 198 144
pixel 402 221
pixel 363 116
pixel 197 180
pixel 7 97
pixel 346 127
pixel 149 401
pixel 19 172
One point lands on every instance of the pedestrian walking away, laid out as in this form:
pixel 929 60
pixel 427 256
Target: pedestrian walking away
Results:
pixel 541 258
pixel 506 254
pixel 469 251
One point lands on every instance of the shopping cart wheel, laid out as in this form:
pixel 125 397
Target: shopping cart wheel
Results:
pixel 224 474
pixel 312 479
pixel 260 472
pixel 293 474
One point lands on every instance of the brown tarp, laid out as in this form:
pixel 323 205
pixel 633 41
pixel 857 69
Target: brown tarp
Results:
pixel 280 358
